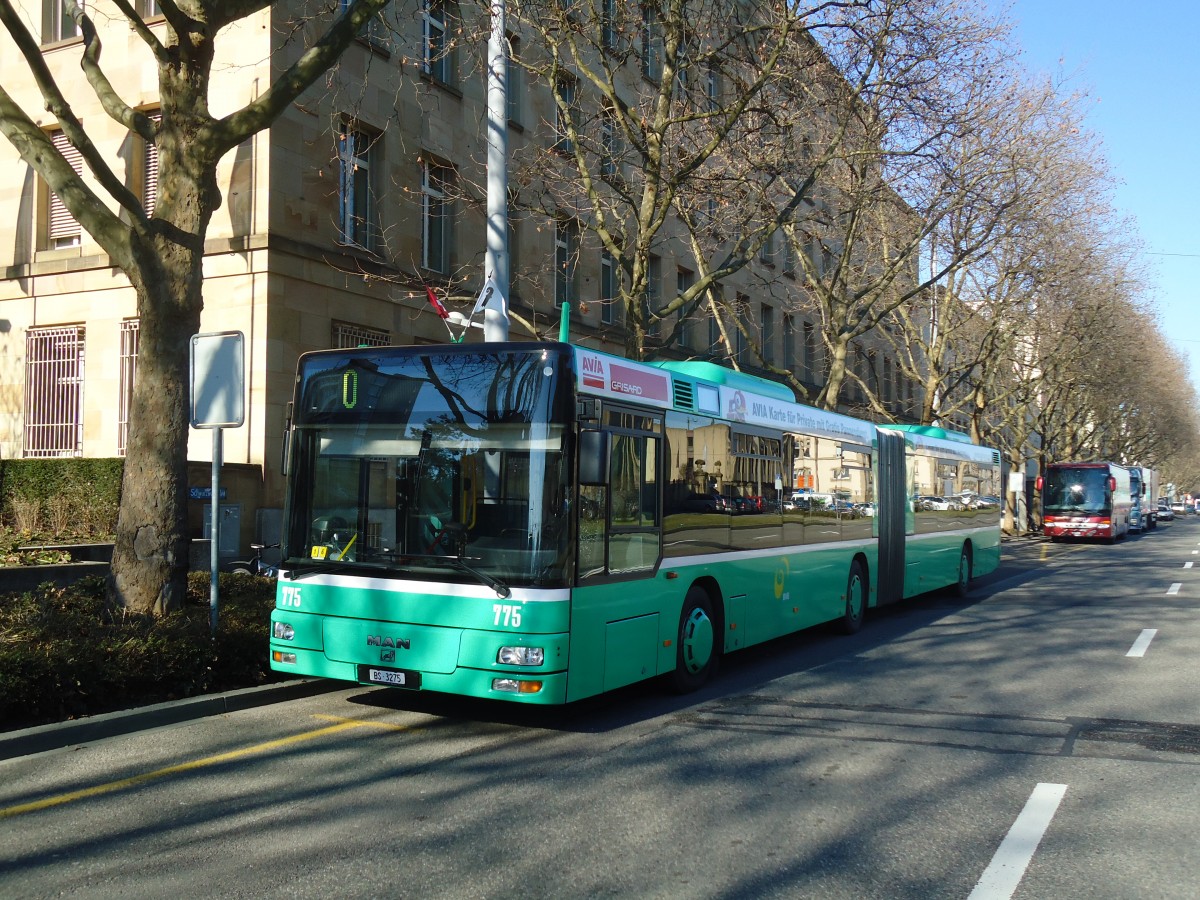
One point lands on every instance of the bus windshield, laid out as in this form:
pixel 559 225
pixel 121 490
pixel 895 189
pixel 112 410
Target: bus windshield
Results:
pixel 1078 490
pixel 444 465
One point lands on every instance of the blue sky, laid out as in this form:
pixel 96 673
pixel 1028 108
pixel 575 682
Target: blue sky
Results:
pixel 1139 62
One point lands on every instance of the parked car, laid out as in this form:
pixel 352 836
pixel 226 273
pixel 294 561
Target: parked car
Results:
pixel 1165 513
pixel 1179 507
pixel 930 502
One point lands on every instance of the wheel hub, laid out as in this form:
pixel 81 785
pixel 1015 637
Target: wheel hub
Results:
pixel 697 641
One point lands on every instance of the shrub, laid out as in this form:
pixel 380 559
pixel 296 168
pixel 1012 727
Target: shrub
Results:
pixel 75 498
pixel 64 653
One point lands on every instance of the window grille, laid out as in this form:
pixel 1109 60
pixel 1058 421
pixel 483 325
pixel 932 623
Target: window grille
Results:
pixel 130 332
pixel 54 391
pixel 347 336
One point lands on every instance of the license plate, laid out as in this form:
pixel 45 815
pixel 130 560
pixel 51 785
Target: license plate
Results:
pixel 400 678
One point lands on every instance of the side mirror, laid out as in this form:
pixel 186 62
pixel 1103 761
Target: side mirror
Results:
pixel 593 457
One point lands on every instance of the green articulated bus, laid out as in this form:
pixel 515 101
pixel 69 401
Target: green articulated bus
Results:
pixel 540 522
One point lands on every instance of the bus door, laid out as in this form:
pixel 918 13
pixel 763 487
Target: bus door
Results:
pixel 891 516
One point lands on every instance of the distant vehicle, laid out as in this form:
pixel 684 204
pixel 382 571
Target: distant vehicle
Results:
pixel 1165 513
pixel 1143 487
pixel 1179 507
pixel 1085 500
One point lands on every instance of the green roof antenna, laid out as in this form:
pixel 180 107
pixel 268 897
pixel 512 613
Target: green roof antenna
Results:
pixel 564 323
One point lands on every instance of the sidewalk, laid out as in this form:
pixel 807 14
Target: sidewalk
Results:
pixel 41 738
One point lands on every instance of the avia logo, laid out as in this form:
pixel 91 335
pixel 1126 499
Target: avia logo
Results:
pixel 382 640
pixel 593 371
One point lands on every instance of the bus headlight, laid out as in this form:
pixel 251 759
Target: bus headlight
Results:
pixel 285 658
pixel 283 631
pixel 521 656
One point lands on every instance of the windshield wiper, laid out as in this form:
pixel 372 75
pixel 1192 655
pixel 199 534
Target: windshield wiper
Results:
pixel 501 589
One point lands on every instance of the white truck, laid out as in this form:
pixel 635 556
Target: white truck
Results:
pixel 1144 483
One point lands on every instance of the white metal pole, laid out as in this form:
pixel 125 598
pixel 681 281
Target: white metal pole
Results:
pixel 496 260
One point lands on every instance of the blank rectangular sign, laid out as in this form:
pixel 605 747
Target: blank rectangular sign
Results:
pixel 218 380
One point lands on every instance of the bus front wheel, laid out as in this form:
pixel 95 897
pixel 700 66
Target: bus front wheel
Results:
pixel 856 600
pixel 696 648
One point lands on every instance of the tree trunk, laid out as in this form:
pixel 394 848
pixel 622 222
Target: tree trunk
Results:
pixel 150 558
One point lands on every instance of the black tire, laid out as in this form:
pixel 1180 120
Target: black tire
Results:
pixel 697 644
pixel 241 570
pixel 856 600
pixel 962 587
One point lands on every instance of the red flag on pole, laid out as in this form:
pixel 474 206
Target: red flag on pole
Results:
pixel 436 303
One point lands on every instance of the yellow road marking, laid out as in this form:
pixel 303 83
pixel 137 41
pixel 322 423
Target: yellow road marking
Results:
pixel 135 780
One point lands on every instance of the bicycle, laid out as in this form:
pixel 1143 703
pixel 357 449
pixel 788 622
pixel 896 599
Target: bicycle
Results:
pixel 255 565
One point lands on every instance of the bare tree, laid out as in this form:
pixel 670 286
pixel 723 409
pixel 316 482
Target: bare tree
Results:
pixel 645 95
pixel 161 251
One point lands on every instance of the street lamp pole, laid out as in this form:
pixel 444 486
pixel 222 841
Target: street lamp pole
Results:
pixel 496 259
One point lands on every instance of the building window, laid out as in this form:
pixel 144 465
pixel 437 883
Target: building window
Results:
pixel 787 257
pixel 766 253
pixel 149 8
pixel 515 90
pixel 609 143
pixel 63 230
pixel 788 360
pixel 742 309
pixel 435 216
pixel 346 336
pixel 357 222
pixel 150 171
pixel 652 43
pixel 608 24
pixel 653 294
pixel 566 257
pixel 768 334
pixel 608 288
pixel 684 279
pixel 514 250
pixel 712 88
pixel 54 391
pixel 810 353
pixel 563 110
pixel 129 353
pixel 57 24
pixel 436 55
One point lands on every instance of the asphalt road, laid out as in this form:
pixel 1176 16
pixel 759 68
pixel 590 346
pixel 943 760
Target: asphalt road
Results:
pixel 1038 740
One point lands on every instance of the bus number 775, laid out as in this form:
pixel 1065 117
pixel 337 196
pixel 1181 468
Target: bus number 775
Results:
pixel 509 616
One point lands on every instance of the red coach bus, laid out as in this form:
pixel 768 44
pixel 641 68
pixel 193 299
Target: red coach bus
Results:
pixel 1085 500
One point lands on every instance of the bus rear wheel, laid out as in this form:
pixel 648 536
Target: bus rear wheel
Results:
pixel 696 647
pixel 856 600
pixel 963 585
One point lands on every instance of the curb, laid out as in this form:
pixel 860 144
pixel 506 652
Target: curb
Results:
pixel 56 736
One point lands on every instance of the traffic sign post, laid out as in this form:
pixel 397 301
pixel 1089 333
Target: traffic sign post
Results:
pixel 218 400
